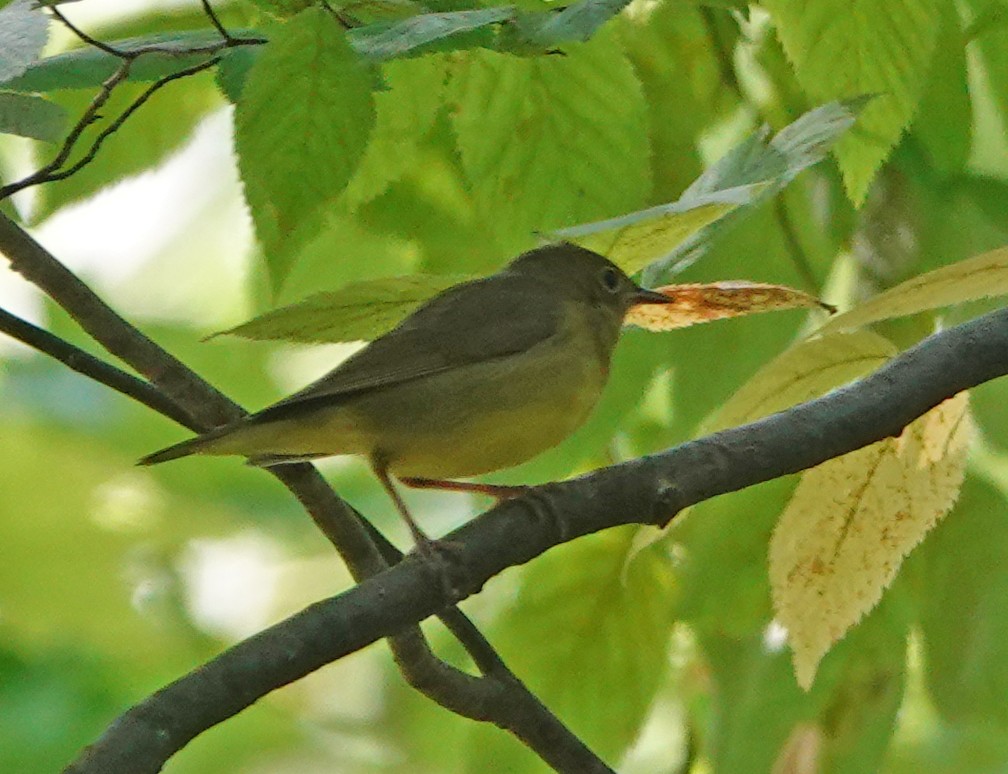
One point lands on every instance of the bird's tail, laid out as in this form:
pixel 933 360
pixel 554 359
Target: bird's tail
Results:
pixel 173 452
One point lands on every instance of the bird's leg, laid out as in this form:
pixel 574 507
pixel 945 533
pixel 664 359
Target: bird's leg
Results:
pixel 501 492
pixel 438 553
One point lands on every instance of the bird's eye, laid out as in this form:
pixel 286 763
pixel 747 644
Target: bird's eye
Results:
pixel 610 279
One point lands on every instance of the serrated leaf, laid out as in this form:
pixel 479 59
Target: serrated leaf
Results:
pixel 301 128
pixel 803 372
pixel 637 239
pixel 29 116
pixel 983 276
pixel 852 520
pixel 600 632
pixel 705 302
pixel 540 143
pixel 882 47
pixel 23 34
pixel 358 312
pixel 404 113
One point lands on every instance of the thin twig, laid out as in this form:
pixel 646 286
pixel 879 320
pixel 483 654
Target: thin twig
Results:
pixel 216 22
pixel 51 172
pixel 55 11
pixel 87 364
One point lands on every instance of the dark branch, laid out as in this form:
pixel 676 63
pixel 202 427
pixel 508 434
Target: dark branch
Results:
pixel 88 365
pixel 216 22
pixel 499 697
pixel 52 171
pixel 651 490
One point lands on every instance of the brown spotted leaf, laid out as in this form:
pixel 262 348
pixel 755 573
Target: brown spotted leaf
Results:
pixel 702 303
pixel 852 520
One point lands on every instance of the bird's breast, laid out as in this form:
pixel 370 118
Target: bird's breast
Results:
pixel 489 415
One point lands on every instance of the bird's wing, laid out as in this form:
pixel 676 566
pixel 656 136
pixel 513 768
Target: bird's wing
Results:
pixel 474 322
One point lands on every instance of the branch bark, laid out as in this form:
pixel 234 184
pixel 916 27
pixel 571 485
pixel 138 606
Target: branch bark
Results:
pixel 649 490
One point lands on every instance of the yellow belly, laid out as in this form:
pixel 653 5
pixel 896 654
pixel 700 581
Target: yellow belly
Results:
pixel 482 417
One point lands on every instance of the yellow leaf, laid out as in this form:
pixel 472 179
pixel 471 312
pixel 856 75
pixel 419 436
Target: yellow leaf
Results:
pixel 700 303
pixel 852 520
pixel 982 276
pixel 805 371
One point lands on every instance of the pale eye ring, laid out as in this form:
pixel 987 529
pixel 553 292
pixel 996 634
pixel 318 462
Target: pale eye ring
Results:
pixel 610 279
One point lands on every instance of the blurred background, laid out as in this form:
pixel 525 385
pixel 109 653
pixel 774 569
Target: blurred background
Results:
pixel 660 653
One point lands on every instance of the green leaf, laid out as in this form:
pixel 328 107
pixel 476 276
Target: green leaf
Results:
pixel 964 616
pixel 983 276
pixel 233 70
pixel 160 126
pixel 758 710
pixel 23 34
pixel 540 143
pixel 29 116
pixel 359 311
pixel 682 86
pixel 880 47
pixel 944 123
pixel 300 131
pixel 589 634
pixel 404 113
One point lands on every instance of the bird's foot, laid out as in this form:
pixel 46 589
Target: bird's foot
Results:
pixel 545 511
pixel 444 559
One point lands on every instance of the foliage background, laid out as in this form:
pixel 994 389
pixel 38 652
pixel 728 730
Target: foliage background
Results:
pixel 115 580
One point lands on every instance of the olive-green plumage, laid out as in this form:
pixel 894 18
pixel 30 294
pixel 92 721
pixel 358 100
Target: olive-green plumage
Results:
pixel 483 376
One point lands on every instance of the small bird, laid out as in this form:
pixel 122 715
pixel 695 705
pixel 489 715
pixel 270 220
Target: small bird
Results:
pixel 483 376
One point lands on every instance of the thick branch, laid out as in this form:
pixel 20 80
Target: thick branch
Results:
pixel 652 490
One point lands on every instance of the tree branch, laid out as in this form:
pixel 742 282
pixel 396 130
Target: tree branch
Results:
pixel 84 363
pixel 498 697
pixel 650 490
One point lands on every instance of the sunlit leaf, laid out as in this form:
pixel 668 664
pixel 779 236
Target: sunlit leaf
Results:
pixel 300 130
pixel 805 371
pixel 540 143
pixel 360 311
pixel 852 520
pixel 983 276
pixel 882 47
pixel 700 303
pixel 404 112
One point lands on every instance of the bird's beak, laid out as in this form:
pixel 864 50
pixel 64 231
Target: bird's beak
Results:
pixel 645 296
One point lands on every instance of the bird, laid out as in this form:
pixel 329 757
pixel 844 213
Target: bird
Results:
pixel 483 376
